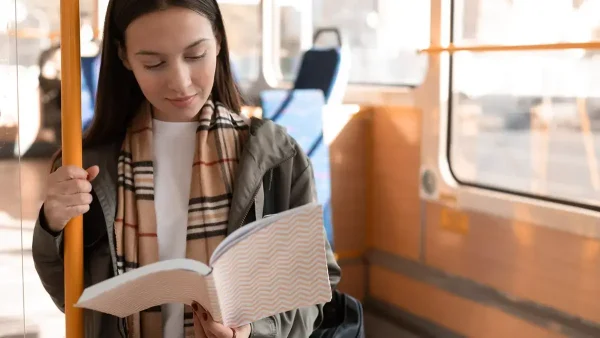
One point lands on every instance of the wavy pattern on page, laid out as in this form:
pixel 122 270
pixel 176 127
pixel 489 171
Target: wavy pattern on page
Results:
pixel 283 267
pixel 213 297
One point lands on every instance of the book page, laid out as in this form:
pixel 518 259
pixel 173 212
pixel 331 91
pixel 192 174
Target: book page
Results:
pixel 173 281
pixel 246 231
pixel 278 268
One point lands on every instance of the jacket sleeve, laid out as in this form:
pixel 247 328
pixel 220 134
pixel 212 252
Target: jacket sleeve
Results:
pixel 48 261
pixel 47 250
pixel 300 323
pixel 47 256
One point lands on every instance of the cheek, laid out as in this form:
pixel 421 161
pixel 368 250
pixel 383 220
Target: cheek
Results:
pixel 203 74
pixel 149 83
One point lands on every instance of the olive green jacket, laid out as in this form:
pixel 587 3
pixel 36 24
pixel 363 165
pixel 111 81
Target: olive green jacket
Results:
pixel 272 162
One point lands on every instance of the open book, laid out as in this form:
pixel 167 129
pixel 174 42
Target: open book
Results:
pixel 272 265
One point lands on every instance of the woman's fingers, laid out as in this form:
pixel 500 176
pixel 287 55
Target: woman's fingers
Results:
pixel 212 329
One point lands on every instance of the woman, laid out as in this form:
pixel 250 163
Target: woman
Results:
pixel 171 168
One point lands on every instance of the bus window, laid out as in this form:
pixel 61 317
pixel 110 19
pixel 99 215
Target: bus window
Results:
pixel 383 36
pixel 527 121
pixel 18 126
pixel 292 14
pixel 242 24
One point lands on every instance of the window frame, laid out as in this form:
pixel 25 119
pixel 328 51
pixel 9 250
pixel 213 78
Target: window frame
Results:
pixel 546 198
pixel 433 97
pixel 270 76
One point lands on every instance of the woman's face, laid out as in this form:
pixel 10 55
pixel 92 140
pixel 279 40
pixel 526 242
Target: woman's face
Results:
pixel 173 55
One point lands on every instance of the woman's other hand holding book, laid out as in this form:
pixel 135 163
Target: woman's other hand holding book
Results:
pixel 205 326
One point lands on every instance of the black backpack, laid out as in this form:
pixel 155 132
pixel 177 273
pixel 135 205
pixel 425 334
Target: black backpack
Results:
pixel 342 318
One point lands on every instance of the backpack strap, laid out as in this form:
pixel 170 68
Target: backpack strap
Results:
pixel 264 202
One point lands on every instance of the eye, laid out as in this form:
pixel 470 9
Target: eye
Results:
pixel 197 57
pixel 153 66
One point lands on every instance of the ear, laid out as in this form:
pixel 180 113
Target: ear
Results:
pixel 123 57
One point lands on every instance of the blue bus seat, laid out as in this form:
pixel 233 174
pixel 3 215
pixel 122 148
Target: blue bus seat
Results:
pixel 90 71
pixel 326 69
pixel 322 79
pixel 306 106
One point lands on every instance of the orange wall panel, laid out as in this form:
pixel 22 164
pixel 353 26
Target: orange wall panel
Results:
pixel 540 264
pixel 353 280
pixel 349 159
pixel 394 205
pixel 455 313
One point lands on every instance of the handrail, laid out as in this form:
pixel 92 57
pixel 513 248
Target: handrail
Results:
pixel 451 48
pixel 72 155
pixel 333 30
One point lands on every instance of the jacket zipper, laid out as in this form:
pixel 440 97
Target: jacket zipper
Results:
pixel 258 187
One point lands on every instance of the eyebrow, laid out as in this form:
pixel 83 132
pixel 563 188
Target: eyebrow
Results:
pixel 192 45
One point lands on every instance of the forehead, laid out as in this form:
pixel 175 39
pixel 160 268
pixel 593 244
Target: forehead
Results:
pixel 168 30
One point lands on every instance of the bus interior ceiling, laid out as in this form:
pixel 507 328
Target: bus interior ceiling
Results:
pixel 461 189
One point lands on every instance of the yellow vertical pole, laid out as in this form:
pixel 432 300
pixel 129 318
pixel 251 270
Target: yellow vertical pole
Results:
pixel 72 148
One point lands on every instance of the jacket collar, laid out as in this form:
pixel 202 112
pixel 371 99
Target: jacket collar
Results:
pixel 267 147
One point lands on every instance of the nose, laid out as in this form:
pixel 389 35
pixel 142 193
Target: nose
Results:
pixel 179 78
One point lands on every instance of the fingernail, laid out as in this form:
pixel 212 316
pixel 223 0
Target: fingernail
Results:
pixel 204 316
pixel 195 306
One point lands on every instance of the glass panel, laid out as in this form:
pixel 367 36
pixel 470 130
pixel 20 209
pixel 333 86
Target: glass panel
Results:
pixel 11 230
pixel 527 121
pixel 242 24
pixel 290 17
pixel 26 143
pixel 383 36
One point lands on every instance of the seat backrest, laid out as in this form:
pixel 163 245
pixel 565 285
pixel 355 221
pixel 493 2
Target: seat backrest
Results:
pixel 89 86
pixel 324 69
pixel 319 70
pixel 303 115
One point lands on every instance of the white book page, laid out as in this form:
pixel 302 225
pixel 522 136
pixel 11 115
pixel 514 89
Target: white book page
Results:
pixel 172 281
pixel 283 267
pixel 246 231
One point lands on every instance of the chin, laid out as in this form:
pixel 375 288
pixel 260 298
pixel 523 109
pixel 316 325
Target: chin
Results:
pixel 170 113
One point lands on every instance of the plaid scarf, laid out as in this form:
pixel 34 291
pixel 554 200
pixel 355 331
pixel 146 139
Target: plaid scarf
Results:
pixel 220 137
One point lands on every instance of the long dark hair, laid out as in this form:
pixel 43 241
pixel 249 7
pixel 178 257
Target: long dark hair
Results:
pixel 119 94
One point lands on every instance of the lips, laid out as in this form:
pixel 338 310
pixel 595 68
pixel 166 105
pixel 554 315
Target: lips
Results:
pixel 182 101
